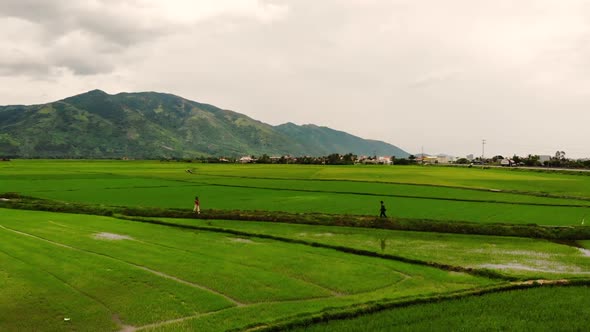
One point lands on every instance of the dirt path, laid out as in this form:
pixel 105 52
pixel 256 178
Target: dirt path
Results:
pixel 541 282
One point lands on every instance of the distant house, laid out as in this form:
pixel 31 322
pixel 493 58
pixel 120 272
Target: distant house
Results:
pixel 429 160
pixel 368 161
pixel 385 160
pixel 443 159
pixel 440 159
pixel 507 162
pixel 544 158
pixel 246 160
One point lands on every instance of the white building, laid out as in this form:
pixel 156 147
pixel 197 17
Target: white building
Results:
pixel 246 159
pixel 544 158
pixel 443 159
pixel 384 160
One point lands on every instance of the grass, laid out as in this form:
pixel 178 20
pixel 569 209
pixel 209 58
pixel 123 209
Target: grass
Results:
pixel 108 282
pixel 557 233
pixel 449 194
pixel 164 263
pixel 32 298
pixel 517 257
pixel 519 310
pixel 216 275
pixel 223 198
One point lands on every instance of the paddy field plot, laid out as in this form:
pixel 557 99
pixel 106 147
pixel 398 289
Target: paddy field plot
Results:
pixel 540 309
pixel 82 272
pixel 108 273
pixel 437 193
pixel 512 256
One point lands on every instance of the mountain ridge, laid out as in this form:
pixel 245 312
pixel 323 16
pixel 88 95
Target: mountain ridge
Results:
pixel 150 125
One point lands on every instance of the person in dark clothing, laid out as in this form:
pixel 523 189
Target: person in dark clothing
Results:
pixel 383 209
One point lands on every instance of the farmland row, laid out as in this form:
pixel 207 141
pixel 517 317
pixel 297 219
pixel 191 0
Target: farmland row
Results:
pixel 516 310
pixel 430 190
pixel 97 181
pixel 529 230
pixel 228 198
pixel 78 233
pixel 505 179
pixel 109 261
pixel 299 189
pixel 206 273
pixel 545 259
pixel 515 257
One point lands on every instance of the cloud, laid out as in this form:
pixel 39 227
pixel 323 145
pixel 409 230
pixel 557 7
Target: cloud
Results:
pixel 451 71
pixel 118 22
pixel 64 34
pixel 434 77
pixel 92 37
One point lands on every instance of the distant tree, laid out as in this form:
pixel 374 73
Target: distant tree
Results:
pixel 559 155
pixel 532 160
pixel 462 161
pixel 334 159
pixel 264 159
pixel 349 159
pixel 517 159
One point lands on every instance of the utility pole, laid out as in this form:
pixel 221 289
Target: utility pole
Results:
pixel 483 143
pixel 422 154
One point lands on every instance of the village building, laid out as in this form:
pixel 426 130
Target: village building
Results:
pixel 246 159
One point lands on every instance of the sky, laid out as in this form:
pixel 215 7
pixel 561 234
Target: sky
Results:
pixel 431 75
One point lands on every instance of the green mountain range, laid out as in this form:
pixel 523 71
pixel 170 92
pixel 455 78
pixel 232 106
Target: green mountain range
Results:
pixel 158 125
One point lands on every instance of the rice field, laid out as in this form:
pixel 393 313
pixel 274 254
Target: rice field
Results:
pixel 437 193
pixel 82 272
pixel 513 256
pixel 107 273
pixel 540 309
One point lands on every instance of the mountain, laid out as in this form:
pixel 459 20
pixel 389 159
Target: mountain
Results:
pixel 334 141
pixel 155 125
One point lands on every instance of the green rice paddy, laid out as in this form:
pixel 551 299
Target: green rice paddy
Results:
pixel 513 256
pixel 438 193
pixel 81 272
pixel 539 309
pixel 150 274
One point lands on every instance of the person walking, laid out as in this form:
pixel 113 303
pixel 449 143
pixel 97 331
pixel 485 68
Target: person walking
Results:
pixel 197 208
pixel 383 209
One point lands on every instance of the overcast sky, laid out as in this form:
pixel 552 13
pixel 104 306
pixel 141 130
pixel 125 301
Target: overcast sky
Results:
pixel 441 75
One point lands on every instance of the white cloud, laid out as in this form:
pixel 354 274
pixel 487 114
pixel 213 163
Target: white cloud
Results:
pixel 443 74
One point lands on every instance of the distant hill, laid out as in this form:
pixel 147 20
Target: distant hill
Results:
pixel 323 140
pixel 155 125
